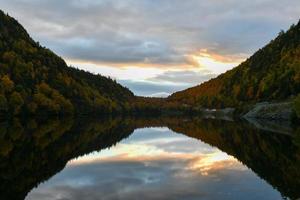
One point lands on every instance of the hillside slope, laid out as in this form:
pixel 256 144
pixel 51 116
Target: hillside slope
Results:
pixel 271 74
pixel 33 79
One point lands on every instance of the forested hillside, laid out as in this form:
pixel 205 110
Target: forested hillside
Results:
pixel 35 80
pixel 271 74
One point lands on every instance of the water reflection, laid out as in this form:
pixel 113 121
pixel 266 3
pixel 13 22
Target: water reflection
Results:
pixel 209 159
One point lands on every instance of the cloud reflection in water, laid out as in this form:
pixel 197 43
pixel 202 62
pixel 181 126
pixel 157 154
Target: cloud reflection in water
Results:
pixel 155 164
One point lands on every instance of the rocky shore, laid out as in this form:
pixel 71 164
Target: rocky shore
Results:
pixel 271 111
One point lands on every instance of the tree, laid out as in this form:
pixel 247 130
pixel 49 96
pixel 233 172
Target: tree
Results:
pixel 15 102
pixel 3 103
pixel 297 106
pixel 7 84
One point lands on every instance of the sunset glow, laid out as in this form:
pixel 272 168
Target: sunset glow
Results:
pixel 213 63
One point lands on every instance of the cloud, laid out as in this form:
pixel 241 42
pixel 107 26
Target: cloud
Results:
pixel 128 31
pixel 183 77
pixel 166 83
pixel 150 88
pixel 160 94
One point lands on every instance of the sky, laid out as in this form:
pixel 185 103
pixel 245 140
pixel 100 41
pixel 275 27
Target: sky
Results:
pixel 154 47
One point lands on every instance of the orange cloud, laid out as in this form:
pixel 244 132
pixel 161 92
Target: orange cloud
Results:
pixel 213 62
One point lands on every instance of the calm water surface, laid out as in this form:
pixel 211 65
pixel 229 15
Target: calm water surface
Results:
pixel 158 159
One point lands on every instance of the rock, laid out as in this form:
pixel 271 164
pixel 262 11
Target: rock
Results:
pixel 271 111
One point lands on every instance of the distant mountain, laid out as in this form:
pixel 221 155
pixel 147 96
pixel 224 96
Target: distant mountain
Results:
pixel 35 80
pixel 271 74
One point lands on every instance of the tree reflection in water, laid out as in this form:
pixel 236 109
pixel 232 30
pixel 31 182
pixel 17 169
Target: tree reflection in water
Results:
pixel 32 151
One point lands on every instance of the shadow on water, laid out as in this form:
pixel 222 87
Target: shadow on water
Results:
pixel 32 151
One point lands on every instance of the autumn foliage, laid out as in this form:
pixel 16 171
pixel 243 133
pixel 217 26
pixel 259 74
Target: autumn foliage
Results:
pixel 34 80
pixel 271 74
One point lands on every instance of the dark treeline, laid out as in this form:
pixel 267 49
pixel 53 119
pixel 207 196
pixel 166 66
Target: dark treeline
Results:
pixel 271 74
pixel 159 106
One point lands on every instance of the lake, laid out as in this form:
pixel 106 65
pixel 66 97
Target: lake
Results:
pixel 149 158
